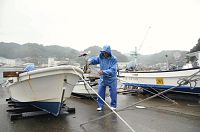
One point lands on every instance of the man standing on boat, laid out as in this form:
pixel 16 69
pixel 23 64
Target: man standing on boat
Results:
pixel 108 76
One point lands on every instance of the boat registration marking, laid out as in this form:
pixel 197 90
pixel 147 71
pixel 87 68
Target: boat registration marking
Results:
pixel 160 80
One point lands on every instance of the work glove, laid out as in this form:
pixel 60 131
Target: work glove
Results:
pixel 100 72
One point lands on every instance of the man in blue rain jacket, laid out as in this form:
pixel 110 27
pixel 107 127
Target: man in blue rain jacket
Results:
pixel 108 76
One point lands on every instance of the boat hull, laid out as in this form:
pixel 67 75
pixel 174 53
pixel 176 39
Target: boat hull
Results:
pixel 47 88
pixel 162 80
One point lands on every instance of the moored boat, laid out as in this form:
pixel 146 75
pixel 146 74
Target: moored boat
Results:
pixel 163 80
pixel 83 89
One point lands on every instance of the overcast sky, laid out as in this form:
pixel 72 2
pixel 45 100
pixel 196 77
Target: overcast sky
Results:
pixel 175 24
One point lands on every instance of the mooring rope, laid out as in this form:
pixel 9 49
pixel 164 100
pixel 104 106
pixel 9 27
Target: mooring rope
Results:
pixel 122 109
pixel 161 96
pixel 180 83
pixel 189 80
pixel 113 111
pixel 88 91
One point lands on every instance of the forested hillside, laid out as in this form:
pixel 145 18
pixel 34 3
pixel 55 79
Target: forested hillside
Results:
pixel 34 50
pixel 196 47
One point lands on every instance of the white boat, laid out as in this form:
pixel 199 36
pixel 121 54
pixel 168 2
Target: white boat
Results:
pixel 166 79
pixel 45 88
pixel 83 89
pixel 162 80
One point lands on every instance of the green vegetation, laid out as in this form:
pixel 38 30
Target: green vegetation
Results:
pixel 196 47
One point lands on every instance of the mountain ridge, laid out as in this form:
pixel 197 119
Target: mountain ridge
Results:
pixel 34 50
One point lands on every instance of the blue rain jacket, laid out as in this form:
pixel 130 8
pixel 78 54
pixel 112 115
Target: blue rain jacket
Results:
pixel 29 67
pixel 109 77
pixel 107 65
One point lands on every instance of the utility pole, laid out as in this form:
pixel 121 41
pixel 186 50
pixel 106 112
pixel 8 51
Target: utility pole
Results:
pixel 166 56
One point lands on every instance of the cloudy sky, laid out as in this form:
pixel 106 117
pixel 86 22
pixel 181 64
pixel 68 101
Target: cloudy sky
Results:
pixel 124 24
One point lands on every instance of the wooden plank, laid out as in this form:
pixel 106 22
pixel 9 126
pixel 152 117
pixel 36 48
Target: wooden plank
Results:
pixel 11 73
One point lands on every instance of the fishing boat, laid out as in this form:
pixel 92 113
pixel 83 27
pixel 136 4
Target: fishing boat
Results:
pixel 169 78
pixel 88 87
pixel 82 89
pixel 163 80
pixel 85 90
pixel 45 88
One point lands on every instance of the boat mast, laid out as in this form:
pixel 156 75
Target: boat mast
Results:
pixel 134 53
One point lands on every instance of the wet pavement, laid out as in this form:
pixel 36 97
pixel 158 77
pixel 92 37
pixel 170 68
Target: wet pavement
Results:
pixel 158 116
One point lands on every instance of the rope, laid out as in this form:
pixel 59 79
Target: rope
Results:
pixel 161 96
pixel 88 91
pixel 189 80
pixel 97 74
pixel 182 82
pixel 106 104
pixel 122 109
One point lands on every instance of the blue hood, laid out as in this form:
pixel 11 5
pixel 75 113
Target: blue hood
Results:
pixel 106 48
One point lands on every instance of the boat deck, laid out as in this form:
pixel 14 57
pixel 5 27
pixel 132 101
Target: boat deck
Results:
pixel 158 116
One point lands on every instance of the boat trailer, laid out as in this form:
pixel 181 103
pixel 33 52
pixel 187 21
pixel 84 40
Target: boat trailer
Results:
pixel 21 110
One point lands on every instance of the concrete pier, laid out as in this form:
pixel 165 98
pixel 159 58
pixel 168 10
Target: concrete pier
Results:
pixel 158 115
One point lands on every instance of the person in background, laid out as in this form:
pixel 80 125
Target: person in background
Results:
pixel 108 76
pixel 29 67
